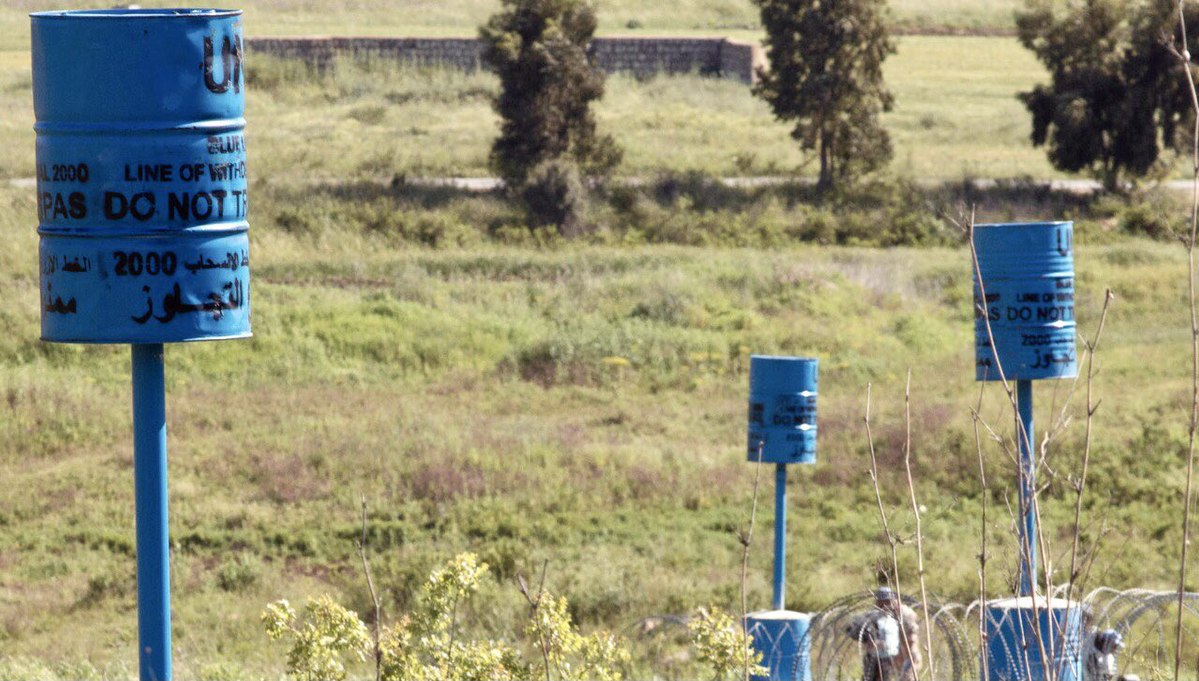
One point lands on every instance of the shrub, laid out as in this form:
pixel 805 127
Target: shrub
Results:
pixel 721 645
pixel 424 644
pixel 320 637
pixel 548 136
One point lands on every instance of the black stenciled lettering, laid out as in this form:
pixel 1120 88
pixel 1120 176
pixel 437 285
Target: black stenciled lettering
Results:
pixel 140 206
pixel 231 62
pixel 78 205
pixel 219 195
pixel 150 263
pixel 203 210
pixel 63 172
pixel 177 206
pixel 187 206
pixel 54 206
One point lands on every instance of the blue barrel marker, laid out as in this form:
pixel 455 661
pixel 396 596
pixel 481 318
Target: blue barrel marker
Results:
pixel 782 430
pixel 142 202
pixel 1025 331
pixel 1014 653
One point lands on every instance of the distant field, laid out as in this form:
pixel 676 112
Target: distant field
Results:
pixel 581 405
pixel 956 115
pixel 462 17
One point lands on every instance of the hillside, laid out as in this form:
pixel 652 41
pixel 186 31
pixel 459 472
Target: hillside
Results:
pixel 582 405
pixel 490 389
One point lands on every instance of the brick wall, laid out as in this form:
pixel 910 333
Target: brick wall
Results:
pixel 639 56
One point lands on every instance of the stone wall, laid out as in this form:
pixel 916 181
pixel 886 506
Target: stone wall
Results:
pixel 639 56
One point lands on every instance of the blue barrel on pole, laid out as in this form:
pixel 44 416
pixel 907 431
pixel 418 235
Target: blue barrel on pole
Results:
pixel 1026 299
pixel 1025 330
pixel 141 175
pixel 1032 641
pixel 781 431
pixel 782 409
pixel 783 639
pixel 142 201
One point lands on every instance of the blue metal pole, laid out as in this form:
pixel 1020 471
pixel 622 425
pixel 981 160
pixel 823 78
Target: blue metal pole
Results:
pixel 150 482
pixel 780 533
pixel 1028 483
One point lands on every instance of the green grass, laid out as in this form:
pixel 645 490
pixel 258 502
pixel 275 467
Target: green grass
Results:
pixel 956 116
pixel 462 17
pixel 474 397
pixel 582 404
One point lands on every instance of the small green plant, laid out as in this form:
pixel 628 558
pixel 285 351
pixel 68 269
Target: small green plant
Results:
pixel 320 638
pixel 239 573
pixel 573 656
pixel 425 645
pixel 721 645
pixel 422 646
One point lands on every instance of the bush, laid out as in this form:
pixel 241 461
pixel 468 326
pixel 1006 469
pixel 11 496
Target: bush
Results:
pixel 424 645
pixel 721 645
pixel 320 637
pixel 548 136
pixel 239 573
pixel 554 195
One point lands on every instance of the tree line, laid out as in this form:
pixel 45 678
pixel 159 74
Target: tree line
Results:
pixel 1114 106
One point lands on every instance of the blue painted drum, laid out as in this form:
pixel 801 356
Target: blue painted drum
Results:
pixel 781 636
pixel 1033 641
pixel 141 175
pixel 1028 279
pixel 782 409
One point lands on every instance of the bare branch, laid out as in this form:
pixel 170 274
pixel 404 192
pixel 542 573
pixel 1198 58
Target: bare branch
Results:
pixel 1092 407
pixel 1184 57
pixel 534 606
pixel 746 539
pixel 907 463
pixel 370 585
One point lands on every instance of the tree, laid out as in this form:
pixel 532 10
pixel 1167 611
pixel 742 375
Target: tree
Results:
pixel 1114 101
pixel 548 141
pixel 826 75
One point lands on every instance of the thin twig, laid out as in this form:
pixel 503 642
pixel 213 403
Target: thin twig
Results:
pixel 1185 58
pixel 746 539
pixel 1092 407
pixel 882 511
pixel 982 535
pixel 907 463
pixel 370 585
pixel 534 606
pixel 892 540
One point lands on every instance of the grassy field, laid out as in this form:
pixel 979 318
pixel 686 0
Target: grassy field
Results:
pixel 947 123
pixel 462 17
pixel 581 405
pixel 956 116
pixel 578 403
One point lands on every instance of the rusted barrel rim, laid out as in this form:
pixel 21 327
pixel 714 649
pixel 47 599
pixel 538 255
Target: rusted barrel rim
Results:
pixel 157 13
